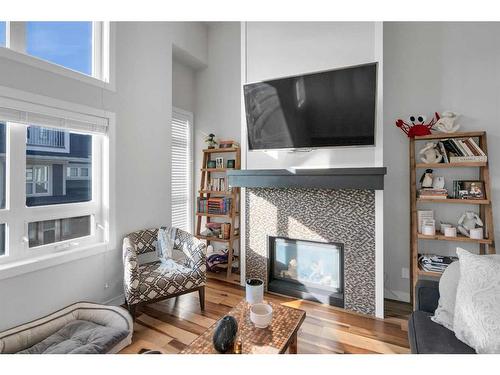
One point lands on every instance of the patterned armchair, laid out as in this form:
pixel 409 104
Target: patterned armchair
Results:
pixel 147 280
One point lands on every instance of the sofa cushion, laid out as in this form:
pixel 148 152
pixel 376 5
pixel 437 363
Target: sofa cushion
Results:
pixel 477 308
pixel 79 337
pixel 448 284
pixel 427 337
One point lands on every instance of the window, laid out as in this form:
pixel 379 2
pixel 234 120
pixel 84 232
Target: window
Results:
pixel 55 182
pixel 82 47
pixel 2 239
pixel 3 165
pixel 78 173
pixel 51 231
pixel 182 166
pixel 38 180
pixel 62 204
pixel 64 43
pixel 2 34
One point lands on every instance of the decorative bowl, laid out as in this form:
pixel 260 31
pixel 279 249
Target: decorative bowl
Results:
pixel 261 314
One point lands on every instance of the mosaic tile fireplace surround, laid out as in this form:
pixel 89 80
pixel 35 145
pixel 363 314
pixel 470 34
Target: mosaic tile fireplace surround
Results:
pixel 344 216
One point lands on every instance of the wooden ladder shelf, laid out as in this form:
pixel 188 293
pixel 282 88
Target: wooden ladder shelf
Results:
pixel 231 217
pixel 486 245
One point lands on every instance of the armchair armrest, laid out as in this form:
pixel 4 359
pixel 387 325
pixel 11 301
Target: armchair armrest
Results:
pixel 427 295
pixel 131 268
pixel 194 249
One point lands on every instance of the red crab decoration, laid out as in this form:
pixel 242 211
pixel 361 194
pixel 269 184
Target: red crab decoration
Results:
pixel 418 126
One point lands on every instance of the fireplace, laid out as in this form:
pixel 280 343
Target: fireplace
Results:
pixel 307 269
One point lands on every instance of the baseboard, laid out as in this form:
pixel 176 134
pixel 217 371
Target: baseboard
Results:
pixel 397 295
pixel 116 301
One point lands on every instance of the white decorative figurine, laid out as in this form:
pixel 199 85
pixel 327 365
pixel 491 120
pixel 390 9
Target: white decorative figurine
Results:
pixel 438 182
pixel 431 153
pixel 446 123
pixel 469 220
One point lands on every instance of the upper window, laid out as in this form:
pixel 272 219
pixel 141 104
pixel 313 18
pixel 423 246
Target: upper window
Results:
pixel 2 34
pixel 82 47
pixel 64 43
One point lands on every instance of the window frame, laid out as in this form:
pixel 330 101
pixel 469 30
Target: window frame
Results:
pixel 189 116
pixel 103 54
pixel 19 257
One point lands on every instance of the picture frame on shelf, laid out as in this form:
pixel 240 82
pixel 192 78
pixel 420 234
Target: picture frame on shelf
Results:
pixel 211 164
pixel 468 189
pixel 231 163
pixel 219 163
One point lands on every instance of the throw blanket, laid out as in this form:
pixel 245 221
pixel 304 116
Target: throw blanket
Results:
pixel 165 243
pixel 79 337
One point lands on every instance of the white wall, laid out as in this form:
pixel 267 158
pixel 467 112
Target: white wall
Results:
pixel 218 85
pixel 142 103
pixel 183 86
pixel 435 67
pixel 280 49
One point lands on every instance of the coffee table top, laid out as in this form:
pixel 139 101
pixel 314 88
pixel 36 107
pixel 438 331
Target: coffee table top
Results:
pixel 271 340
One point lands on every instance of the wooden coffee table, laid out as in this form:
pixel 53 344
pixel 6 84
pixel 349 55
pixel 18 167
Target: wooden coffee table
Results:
pixel 279 336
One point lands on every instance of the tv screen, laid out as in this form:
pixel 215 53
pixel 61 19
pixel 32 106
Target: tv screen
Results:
pixel 325 109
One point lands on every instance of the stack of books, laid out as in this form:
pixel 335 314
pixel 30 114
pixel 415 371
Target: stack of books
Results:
pixel 456 150
pixel 217 206
pixel 435 263
pixel 430 193
pixel 217 184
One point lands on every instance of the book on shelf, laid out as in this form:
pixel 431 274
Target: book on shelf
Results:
pixel 218 184
pixel 431 193
pixel 459 150
pixel 423 215
pixel 216 206
pixel 435 263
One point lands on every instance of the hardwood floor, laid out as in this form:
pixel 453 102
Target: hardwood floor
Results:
pixel 170 325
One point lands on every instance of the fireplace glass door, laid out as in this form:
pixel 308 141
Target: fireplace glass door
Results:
pixel 312 265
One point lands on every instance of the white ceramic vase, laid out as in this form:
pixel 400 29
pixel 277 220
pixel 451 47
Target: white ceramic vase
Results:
pixel 254 291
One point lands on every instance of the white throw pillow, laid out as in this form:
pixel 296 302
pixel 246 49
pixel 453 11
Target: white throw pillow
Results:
pixel 477 306
pixel 448 285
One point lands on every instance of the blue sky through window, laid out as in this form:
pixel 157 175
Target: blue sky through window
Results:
pixel 2 34
pixel 65 43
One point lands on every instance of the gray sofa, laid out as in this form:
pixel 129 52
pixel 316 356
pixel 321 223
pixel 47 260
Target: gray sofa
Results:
pixel 427 337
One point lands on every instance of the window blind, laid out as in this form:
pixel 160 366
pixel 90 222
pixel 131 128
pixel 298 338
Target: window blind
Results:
pixel 181 189
pixel 33 114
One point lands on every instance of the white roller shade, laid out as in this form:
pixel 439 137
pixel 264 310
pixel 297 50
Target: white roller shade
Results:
pixel 34 114
pixel 182 211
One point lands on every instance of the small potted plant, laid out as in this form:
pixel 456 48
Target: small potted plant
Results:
pixel 210 141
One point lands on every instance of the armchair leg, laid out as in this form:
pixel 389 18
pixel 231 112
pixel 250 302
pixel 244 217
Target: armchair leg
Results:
pixel 201 293
pixel 132 309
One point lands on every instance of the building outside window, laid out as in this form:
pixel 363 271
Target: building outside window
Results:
pixel 66 158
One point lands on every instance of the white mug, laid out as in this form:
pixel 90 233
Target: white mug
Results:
pixel 476 233
pixel 450 231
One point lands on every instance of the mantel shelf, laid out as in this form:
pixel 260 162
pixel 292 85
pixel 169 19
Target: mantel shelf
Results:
pixel 370 178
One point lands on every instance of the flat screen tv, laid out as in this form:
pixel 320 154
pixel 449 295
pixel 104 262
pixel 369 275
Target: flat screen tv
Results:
pixel 325 109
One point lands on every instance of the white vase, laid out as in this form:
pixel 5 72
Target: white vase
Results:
pixel 254 290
